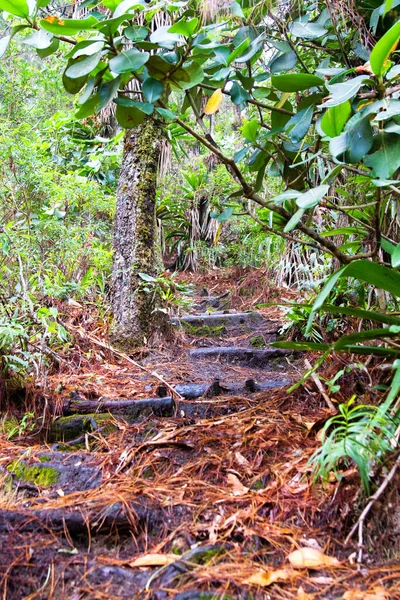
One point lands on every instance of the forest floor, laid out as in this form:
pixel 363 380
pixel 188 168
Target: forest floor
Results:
pixel 186 496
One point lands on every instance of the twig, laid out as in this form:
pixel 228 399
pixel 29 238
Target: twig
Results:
pixel 128 359
pixel 360 523
pixel 319 385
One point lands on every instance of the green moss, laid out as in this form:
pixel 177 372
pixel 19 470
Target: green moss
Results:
pixel 44 459
pixel 69 428
pixel 40 476
pixel 257 341
pixel 204 330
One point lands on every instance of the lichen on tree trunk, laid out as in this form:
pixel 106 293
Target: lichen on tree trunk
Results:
pixel 136 243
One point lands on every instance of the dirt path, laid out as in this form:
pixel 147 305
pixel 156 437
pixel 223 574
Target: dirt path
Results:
pixel 196 496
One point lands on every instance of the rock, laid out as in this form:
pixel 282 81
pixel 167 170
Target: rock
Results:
pixel 264 358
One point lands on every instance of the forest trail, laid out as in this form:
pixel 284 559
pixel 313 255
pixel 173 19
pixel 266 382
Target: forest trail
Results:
pixel 197 493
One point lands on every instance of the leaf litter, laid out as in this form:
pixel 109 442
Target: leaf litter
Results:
pixel 221 506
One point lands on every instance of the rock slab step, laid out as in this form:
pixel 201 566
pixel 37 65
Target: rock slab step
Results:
pixel 264 358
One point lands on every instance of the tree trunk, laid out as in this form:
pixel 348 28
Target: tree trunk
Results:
pixel 136 241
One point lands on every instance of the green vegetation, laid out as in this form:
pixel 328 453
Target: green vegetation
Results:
pixel 282 127
pixel 40 476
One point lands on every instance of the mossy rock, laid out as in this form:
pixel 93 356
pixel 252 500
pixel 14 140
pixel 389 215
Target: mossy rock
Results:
pixel 69 428
pixel 204 330
pixel 258 341
pixel 42 476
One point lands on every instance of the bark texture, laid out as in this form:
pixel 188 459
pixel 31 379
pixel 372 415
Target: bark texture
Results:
pixel 136 244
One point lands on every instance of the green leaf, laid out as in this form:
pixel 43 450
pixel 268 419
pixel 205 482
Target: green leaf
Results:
pixel 225 215
pixel 307 346
pixel 238 94
pixel 312 197
pixel 375 274
pixel 18 8
pixel 90 107
pixel 196 75
pixel 68 26
pixel 359 139
pixel 145 107
pixel 39 39
pixel 152 89
pixel 296 218
pixel 334 119
pixel 284 62
pixel 73 86
pixel 298 126
pixel 167 114
pixel 55 42
pixel 238 51
pixel 183 27
pixel 340 92
pixel 4 44
pixel 136 33
pixel 129 116
pixel 395 258
pixel 83 67
pixel 108 91
pixel 384 48
pixel 386 160
pixel 307 31
pixel 361 336
pixel 250 130
pixel 295 82
pixel 109 27
pixel 163 38
pixel 128 61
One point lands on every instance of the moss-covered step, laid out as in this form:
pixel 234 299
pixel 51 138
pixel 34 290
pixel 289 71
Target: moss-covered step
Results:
pixel 131 409
pixel 69 472
pixel 265 358
pixel 228 320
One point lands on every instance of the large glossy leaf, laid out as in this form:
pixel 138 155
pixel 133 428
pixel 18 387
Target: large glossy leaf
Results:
pixel 372 273
pixel 196 75
pixel 136 33
pixel 164 38
pixel 109 27
pixel 284 62
pixel 386 160
pixel 334 119
pixel 73 86
pixel 152 89
pixel 238 94
pixel 295 219
pixel 129 116
pixel 295 82
pixel 250 130
pixel 39 39
pixel 307 31
pixel 340 92
pixel 128 61
pixel 298 126
pixel 396 257
pixel 4 44
pixel 359 139
pixel 83 66
pixel 312 197
pixel 183 27
pixel 43 53
pixel 108 91
pixel 90 107
pixel 144 107
pixel 384 48
pixel 18 8
pixel 68 26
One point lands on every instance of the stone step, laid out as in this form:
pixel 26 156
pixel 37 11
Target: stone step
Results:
pixel 192 391
pixel 264 358
pixel 225 320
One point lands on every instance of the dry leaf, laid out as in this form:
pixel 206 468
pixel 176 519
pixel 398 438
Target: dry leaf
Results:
pixel 311 558
pixel 322 580
pixel 302 595
pixel 237 487
pixel 311 543
pixel 378 593
pixel 265 578
pixel 214 102
pixel 153 560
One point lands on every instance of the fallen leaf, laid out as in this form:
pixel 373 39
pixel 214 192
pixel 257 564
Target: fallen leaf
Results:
pixel 265 578
pixel 237 487
pixel 322 580
pixel 302 595
pixel 311 543
pixel 213 103
pixel 311 558
pixel 153 560
pixel 378 593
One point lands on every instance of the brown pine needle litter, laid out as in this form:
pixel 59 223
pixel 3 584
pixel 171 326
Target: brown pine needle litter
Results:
pixel 220 505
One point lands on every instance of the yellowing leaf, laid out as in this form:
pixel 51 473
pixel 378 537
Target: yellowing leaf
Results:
pixel 237 487
pixel 265 578
pixel 153 560
pixel 54 20
pixel 214 102
pixel 311 558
